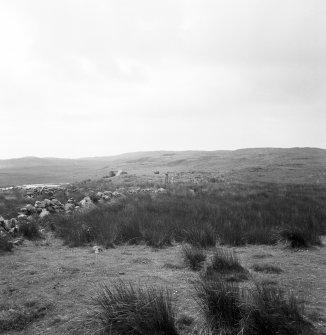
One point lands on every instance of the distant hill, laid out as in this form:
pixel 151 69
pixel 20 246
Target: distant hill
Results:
pixel 293 165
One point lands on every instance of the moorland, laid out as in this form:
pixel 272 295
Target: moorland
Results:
pixel 232 242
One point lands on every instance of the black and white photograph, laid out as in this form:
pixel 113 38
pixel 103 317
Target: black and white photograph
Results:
pixel 163 167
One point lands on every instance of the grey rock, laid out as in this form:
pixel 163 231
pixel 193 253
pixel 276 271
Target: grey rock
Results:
pixel 44 213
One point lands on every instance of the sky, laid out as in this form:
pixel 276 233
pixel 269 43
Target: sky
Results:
pixel 96 78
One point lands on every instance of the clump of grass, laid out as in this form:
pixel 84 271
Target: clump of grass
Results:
pixel 5 244
pixel 262 310
pixel 193 256
pixel 201 235
pixel 184 321
pixel 226 264
pixel 220 304
pixel 267 268
pixel 224 261
pixel 18 318
pixel 30 230
pixel 121 308
pixel 270 311
pixel 298 237
pixel 157 238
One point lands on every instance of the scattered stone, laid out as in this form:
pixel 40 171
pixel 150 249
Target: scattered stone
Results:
pixel 69 207
pixel 97 249
pixel 111 174
pixel 44 213
pixel 30 208
pixel 18 241
pixel 86 203
pixel 121 172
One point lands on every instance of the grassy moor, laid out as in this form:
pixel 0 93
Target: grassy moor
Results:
pixel 201 244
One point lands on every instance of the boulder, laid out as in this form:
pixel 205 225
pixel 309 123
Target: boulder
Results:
pixel 22 217
pixel 69 207
pixel 161 190
pixel 44 213
pixel 97 249
pixel 30 208
pixel 7 225
pixel 86 202
pixel 18 241
pixel 121 172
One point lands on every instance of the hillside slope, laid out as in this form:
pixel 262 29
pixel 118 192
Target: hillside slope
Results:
pixel 298 165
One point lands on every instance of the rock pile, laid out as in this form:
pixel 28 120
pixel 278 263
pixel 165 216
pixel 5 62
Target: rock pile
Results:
pixel 8 226
pixel 47 190
pixel 41 209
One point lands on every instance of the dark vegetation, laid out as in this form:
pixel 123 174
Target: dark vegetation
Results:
pixel 261 310
pixel 225 264
pixel 10 202
pixel 5 244
pixel 30 230
pixel 193 256
pixel 20 317
pixel 122 308
pixel 233 214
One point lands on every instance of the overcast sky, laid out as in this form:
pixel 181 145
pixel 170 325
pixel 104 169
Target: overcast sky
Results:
pixel 100 77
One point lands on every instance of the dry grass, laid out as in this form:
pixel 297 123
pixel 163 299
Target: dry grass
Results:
pixel 267 268
pixel 66 278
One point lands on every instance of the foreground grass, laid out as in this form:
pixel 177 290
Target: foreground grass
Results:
pixel 67 278
pixel 122 308
pixel 261 310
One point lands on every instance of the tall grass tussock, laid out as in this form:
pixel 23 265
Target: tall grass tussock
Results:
pixel 262 310
pixel 193 256
pixel 121 308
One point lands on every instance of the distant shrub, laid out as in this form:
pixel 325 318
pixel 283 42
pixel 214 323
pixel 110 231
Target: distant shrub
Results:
pixel 30 230
pixel 5 244
pixel 201 235
pixel 80 228
pixel 193 256
pixel 121 308
pixel 298 237
pixel 262 310
pixel 157 238
pixel 129 232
